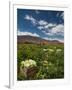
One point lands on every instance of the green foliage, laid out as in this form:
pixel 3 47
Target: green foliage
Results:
pixel 50 61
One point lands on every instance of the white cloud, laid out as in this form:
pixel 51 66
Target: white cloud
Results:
pixel 47 28
pixel 37 12
pixel 34 21
pixel 20 33
pixel 62 15
pixel 51 39
pixel 42 22
pixel 40 27
pixel 58 14
pixel 53 30
pixel 59 29
pixel 49 25
pixel 49 33
pixel 28 17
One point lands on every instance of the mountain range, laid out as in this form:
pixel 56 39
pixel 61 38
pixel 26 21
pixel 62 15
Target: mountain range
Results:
pixel 35 40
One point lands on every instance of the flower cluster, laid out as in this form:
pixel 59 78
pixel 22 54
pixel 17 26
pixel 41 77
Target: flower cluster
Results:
pixel 45 63
pixel 50 50
pixel 58 50
pixel 28 63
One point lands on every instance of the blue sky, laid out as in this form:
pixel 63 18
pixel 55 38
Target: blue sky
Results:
pixel 46 24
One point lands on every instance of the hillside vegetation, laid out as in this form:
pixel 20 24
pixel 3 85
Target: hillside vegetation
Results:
pixel 49 61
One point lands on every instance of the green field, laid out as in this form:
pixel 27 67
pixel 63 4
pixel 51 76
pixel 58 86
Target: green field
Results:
pixel 49 61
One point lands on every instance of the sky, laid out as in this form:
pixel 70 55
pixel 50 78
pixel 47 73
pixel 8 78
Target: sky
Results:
pixel 46 24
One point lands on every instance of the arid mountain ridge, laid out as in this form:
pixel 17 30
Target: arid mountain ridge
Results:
pixel 35 40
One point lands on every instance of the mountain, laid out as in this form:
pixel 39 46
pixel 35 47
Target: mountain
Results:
pixel 35 40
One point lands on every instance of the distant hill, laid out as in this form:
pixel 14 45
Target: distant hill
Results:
pixel 35 40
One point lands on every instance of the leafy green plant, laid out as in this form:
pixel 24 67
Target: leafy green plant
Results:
pixel 49 60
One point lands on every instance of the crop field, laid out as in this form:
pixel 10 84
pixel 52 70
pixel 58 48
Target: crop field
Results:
pixel 36 62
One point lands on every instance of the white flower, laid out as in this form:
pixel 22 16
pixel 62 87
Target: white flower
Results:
pixel 22 63
pixel 25 65
pixel 46 62
pixel 32 62
pixel 58 50
pixel 45 49
pixel 28 63
pixel 51 50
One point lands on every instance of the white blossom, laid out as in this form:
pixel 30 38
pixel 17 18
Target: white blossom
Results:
pixel 58 50
pixel 28 63
pixel 51 50
pixel 45 49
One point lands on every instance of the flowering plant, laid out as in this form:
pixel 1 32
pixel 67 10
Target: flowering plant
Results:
pixel 28 63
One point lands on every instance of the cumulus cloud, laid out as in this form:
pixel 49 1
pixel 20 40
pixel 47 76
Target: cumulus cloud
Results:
pixel 59 29
pixel 42 22
pixel 28 17
pixel 49 26
pixel 34 21
pixel 46 27
pixel 52 29
pixel 40 27
pixel 39 23
pixel 20 33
